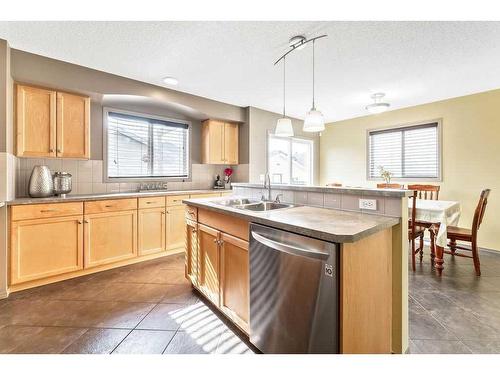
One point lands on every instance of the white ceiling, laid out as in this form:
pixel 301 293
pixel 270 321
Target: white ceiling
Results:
pixel 412 62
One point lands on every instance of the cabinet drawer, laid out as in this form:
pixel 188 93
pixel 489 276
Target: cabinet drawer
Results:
pixel 176 200
pixel 40 211
pixel 151 202
pixel 192 213
pixel 110 205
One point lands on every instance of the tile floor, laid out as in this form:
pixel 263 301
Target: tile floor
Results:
pixel 143 308
pixel 150 308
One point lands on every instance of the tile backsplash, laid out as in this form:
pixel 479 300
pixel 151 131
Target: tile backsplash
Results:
pixel 87 176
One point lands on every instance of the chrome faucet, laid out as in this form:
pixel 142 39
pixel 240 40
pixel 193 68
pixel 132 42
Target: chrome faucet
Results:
pixel 278 200
pixel 267 185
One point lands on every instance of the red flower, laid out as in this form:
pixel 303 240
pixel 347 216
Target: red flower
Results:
pixel 228 172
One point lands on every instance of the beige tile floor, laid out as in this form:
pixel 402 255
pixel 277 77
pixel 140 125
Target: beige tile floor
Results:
pixel 143 308
pixel 151 308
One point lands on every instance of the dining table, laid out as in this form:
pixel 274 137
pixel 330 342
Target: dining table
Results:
pixel 437 216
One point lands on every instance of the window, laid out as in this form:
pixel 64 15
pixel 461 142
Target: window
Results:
pixel 411 152
pixel 145 147
pixel 290 160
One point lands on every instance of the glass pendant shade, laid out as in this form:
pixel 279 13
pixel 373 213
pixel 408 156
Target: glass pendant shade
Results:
pixel 377 107
pixel 284 127
pixel 314 121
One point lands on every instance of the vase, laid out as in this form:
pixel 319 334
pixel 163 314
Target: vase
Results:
pixel 41 184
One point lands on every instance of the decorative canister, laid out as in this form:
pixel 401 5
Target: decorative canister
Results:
pixel 41 184
pixel 62 183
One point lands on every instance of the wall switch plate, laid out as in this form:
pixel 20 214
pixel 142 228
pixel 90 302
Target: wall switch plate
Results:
pixel 368 204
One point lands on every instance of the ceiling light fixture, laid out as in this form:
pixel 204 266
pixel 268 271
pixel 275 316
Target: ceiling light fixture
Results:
pixel 377 106
pixel 314 121
pixel 297 42
pixel 284 126
pixel 171 81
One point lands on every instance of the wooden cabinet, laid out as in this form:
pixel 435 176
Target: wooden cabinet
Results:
pixel 45 247
pixel 52 124
pixel 191 252
pixel 220 142
pixel 175 228
pixel 235 279
pixel 73 120
pixel 151 230
pixel 221 261
pixel 36 122
pixel 110 237
pixel 208 272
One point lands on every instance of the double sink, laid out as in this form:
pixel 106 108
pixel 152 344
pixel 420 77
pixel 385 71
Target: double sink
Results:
pixel 253 204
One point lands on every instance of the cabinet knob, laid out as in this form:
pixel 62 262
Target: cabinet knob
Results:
pixel 80 222
pixel 193 230
pixel 51 150
pixel 86 221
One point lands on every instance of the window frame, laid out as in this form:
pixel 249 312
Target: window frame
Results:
pixel 106 178
pixel 438 121
pixel 311 141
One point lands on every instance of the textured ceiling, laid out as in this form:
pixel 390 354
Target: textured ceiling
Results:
pixel 412 62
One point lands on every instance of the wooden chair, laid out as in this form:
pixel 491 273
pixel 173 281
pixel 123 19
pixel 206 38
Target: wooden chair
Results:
pixel 430 192
pixel 390 186
pixel 415 231
pixel 469 235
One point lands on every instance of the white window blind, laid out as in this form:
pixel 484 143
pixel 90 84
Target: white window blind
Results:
pixel 142 147
pixel 407 152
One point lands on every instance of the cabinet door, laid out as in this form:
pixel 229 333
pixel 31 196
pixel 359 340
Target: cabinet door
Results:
pixel 234 279
pixel 230 143
pixel 151 231
pixel 208 245
pixel 35 122
pixel 191 252
pixel 175 228
pixel 73 113
pixel 213 142
pixel 45 247
pixel 110 237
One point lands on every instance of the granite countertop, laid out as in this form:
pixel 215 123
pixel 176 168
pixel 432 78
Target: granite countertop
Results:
pixel 331 189
pixel 322 223
pixel 94 197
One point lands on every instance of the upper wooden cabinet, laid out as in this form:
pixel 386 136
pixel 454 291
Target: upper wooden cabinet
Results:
pixel 219 142
pixel 52 124
pixel 73 120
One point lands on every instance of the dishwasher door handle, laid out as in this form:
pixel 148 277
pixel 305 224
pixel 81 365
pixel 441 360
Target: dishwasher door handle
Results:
pixel 289 249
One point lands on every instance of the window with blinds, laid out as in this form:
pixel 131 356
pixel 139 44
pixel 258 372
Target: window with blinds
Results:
pixel 411 152
pixel 146 147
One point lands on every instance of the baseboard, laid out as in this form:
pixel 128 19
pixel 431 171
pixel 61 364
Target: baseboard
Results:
pixel 4 294
pixel 427 242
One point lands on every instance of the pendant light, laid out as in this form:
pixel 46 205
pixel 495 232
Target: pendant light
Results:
pixel 314 121
pixel 284 126
pixel 377 106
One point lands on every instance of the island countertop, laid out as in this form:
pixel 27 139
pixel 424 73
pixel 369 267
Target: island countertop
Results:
pixel 322 223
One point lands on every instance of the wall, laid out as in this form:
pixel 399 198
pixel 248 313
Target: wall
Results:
pixel 262 122
pixel 471 141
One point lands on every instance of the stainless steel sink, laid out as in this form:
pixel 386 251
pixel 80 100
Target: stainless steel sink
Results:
pixel 252 204
pixel 263 206
pixel 237 202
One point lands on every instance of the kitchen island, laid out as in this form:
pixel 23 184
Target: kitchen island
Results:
pixel 217 263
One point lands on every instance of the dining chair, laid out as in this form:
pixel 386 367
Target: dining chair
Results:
pixel 415 231
pixel 430 192
pixel 390 186
pixel 469 235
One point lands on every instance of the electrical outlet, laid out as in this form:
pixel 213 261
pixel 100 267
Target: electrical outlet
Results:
pixel 368 204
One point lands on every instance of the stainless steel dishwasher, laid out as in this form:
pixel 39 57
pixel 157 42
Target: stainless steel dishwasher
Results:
pixel 294 292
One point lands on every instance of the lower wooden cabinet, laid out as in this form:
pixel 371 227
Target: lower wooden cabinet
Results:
pixel 234 279
pixel 208 273
pixel 175 227
pixel 217 264
pixel 45 247
pixel 191 252
pixel 151 231
pixel 110 237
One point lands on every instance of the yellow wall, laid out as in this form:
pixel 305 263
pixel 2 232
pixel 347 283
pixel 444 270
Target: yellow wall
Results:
pixel 471 153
